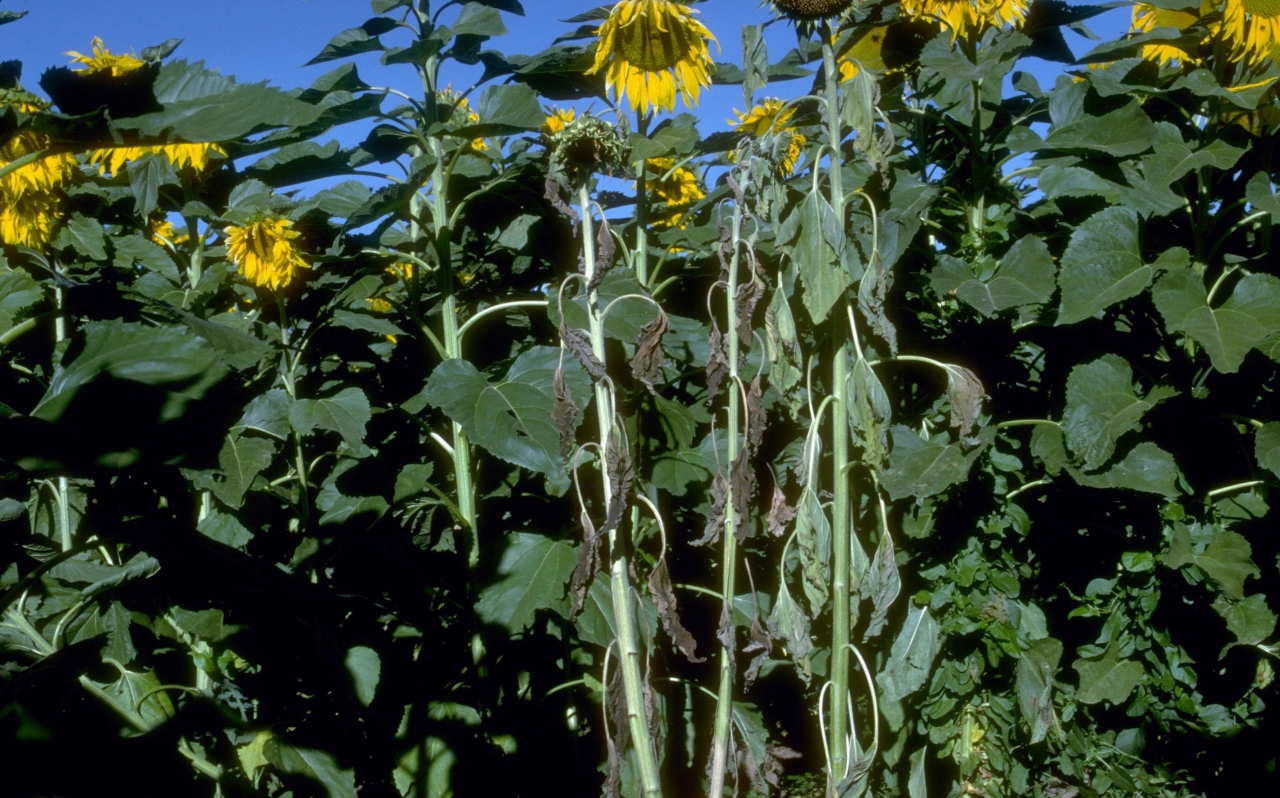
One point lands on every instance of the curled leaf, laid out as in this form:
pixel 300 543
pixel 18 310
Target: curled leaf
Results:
pixel 665 599
pixel 649 360
pixel 717 362
pixel 780 514
pixel 588 566
pixel 606 250
pixel 715 519
pixel 761 642
pixel 564 412
pixel 580 345
pixel 622 475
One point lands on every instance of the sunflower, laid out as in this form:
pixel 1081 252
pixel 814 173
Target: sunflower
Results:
pixel 653 50
pixel 160 231
pixel 675 186
pixel 113 159
pixel 769 121
pixel 1148 17
pixel 1251 28
pixel 811 9
pixel 265 253
pixel 968 17
pixel 29 201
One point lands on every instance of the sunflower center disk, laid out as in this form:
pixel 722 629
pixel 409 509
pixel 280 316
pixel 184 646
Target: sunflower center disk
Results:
pixel 1262 8
pixel 645 45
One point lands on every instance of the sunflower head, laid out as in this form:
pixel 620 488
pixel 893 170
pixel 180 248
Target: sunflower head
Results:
pixel 675 187
pixel 113 160
pixel 586 146
pixel 652 50
pixel 811 9
pixel 771 135
pixel 1251 29
pixel 264 252
pixel 1147 17
pixel 968 18
pixel 105 60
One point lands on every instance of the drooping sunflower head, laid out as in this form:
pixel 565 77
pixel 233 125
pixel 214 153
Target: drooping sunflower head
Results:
pixel 103 59
pixel 588 145
pixel 1147 17
pixel 652 50
pixel 968 18
pixel 28 221
pixel 811 9
pixel 772 136
pixel 196 156
pixel 1251 29
pixel 264 252
pixel 676 188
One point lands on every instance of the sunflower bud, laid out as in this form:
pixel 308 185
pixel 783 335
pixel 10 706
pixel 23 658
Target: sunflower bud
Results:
pixel 587 145
pixel 811 9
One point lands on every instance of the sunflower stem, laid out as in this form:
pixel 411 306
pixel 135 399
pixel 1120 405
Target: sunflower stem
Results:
pixel 841 528
pixel 623 605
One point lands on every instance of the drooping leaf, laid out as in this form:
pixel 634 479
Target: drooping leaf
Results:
pixel 882 585
pixel 1107 678
pixel 1102 405
pixel 1036 669
pixel 1229 331
pixel 535 571
pixel 912 655
pixel 817 259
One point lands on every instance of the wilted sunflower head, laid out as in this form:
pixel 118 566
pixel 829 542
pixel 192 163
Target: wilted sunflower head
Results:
pixel 652 50
pixel 103 59
pixel 968 18
pixel 264 252
pixel 811 9
pixel 588 145
pixel 1251 28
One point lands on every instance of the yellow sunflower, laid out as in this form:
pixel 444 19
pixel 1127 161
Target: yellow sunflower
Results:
pixel 160 230
pixel 556 122
pixel 770 119
pixel 1148 17
pixel 653 50
pixel 379 305
pixel 676 187
pixel 1251 28
pixel 968 18
pixel 265 253
pixel 113 159
pixel 28 195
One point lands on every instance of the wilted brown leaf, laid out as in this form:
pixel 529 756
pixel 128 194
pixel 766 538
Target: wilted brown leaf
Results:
pixel 665 599
pixel 649 360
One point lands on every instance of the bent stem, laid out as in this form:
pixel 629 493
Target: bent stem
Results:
pixel 623 606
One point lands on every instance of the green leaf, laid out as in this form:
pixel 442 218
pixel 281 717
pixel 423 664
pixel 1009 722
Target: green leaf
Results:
pixel 1262 197
pixel 511 418
pixel 351 41
pixel 1146 468
pixel 1251 620
pixel 319 766
pixel 506 110
pixel 1266 447
pixel 226 529
pixel 674 137
pixel 922 468
pixel 339 508
pixel 1227 559
pixel 674 468
pixel 478 19
pixel 365 668
pixel 158 356
pixel 1102 265
pixel 134 249
pixel 346 413
pixel 119 643
pixel 1228 332
pixel 813 540
pixel 411 481
pixel 1172 158
pixel 535 572
pixel 84 235
pixel 146 175
pixel 1025 277
pixel 202 105
pixel 816 258
pixel 1102 405
pixel 917 783
pixel 1036 669
pixel 18 292
pixel 1107 677
pixel 241 460
pixel 911 657
pixel 131 687
pixel 267 412
pixel 1125 131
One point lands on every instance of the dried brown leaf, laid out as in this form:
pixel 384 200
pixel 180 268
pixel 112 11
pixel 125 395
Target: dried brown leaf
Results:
pixel 780 514
pixel 749 294
pixel 717 362
pixel 564 412
pixel 715 519
pixel 579 344
pixel 589 562
pixel 551 192
pixel 649 360
pixel 743 481
pixel 622 475
pixel 876 282
pixel 966 393
pixel 665 599
pixel 757 418
pixel 620 739
pixel 606 250
pixel 761 642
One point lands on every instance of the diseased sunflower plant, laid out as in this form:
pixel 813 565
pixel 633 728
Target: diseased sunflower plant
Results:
pixel 912 437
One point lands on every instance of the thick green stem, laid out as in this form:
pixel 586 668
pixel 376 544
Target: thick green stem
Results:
pixel 841 528
pixel 728 564
pixel 623 606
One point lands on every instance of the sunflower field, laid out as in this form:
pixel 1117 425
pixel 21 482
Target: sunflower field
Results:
pixel 914 437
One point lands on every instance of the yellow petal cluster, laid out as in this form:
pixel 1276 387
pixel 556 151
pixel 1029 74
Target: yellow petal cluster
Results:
pixel 968 18
pixel 676 187
pixel 557 121
pixel 1251 29
pixel 103 59
pixel 652 50
pixel 160 230
pixel 264 252
pixel 462 108
pixel 771 118
pixel 1147 17
pixel 29 198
